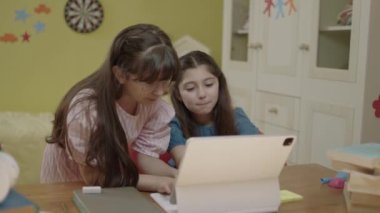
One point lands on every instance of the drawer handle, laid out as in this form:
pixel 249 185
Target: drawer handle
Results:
pixel 273 111
pixel 304 47
pixel 256 46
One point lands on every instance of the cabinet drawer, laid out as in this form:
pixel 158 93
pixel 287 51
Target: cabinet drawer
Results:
pixel 278 109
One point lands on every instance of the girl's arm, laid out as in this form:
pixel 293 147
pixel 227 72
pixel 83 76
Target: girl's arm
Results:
pixel 244 124
pixel 149 183
pixel 153 183
pixel 153 140
pixel 155 166
pixel 177 153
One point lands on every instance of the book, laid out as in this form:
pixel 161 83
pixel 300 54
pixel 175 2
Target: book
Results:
pixel 118 199
pixel 364 155
pixel 353 208
pixel 363 183
pixel 358 198
pixel 17 202
pixel 345 166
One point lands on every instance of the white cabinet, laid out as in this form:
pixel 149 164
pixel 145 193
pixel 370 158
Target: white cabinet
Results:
pixel 342 81
pixel 297 70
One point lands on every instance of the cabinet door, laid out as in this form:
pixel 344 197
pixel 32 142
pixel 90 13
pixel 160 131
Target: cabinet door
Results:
pixel 335 41
pixel 236 60
pixel 279 45
pixel 236 34
pixel 332 90
pixel 325 126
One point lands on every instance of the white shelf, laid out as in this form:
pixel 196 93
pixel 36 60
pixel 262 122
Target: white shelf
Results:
pixel 336 28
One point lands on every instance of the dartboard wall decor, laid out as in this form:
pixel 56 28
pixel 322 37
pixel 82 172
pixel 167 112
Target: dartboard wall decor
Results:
pixel 84 16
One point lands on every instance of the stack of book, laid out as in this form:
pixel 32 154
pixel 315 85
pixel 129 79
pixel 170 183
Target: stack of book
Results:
pixel 362 189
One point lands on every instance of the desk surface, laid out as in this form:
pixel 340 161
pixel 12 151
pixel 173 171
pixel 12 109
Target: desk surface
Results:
pixel 302 179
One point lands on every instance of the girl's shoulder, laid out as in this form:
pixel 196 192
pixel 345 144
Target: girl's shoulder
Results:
pixel 159 108
pixel 84 93
pixel 175 122
pixel 239 112
pixel 82 96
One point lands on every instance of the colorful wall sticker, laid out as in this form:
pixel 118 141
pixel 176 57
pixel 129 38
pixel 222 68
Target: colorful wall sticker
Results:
pixel 280 6
pixel 268 5
pixel 24 27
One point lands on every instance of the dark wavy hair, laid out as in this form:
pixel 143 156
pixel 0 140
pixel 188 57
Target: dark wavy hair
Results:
pixel 222 115
pixel 143 50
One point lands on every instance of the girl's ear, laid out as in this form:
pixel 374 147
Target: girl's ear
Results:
pixel 178 95
pixel 119 75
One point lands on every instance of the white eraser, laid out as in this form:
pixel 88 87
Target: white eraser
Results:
pixel 91 189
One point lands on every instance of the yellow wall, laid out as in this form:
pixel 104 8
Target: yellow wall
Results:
pixel 35 75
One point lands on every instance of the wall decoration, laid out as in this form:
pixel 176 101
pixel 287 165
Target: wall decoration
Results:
pixel 8 37
pixel 292 6
pixel 42 8
pixel 268 6
pixel 376 106
pixel 25 36
pixel 26 23
pixel 21 15
pixel 280 7
pixel 84 16
pixel 39 26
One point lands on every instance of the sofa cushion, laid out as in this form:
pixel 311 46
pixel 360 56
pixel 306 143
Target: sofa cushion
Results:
pixel 23 136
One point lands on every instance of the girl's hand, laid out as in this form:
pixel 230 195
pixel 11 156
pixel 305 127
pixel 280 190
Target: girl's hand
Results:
pixel 155 183
pixel 165 185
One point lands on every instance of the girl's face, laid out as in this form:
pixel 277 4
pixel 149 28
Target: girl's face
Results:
pixel 135 91
pixel 143 92
pixel 199 91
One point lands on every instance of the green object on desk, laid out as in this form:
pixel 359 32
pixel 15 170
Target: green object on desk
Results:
pixel 117 199
pixel 287 196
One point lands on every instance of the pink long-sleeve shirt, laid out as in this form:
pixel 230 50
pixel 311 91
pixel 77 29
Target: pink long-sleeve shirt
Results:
pixel 147 132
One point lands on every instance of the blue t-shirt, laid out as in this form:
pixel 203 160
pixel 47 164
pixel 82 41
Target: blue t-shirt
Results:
pixel 242 123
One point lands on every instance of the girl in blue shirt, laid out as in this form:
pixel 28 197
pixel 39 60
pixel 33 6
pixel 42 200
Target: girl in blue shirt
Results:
pixel 203 105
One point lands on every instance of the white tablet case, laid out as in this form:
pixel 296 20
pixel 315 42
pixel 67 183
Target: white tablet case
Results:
pixel 232 173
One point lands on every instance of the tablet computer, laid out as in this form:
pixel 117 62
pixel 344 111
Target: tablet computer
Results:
pixel 232 173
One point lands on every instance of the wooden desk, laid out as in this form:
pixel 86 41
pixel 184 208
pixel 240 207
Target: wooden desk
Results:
pixel 302 179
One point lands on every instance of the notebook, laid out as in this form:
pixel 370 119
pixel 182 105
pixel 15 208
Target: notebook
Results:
pixel 119 199
pixel 230 174
pixel 365 155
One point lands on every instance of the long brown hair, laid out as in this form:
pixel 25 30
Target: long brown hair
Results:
pixel 222 115
pixel 143 50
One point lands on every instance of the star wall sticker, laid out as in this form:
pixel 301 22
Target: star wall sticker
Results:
pixel 376 106
pixel 26 36
pixel 39 26
pixel 21 15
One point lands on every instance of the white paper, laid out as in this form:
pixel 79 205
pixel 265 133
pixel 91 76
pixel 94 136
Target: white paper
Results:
pixel 164 202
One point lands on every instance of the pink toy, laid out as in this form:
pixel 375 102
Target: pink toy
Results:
pixel 337 183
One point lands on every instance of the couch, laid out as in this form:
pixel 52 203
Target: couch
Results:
pixel 23 136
